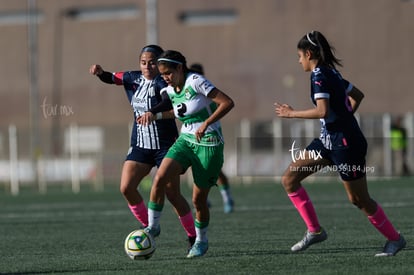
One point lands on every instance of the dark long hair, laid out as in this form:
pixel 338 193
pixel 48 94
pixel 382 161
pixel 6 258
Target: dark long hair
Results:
pixel 155 49
pixel 320 49
pixel 172 59
pixel 197 68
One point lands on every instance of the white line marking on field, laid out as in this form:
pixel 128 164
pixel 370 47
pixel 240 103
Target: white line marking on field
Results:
pixel 40 211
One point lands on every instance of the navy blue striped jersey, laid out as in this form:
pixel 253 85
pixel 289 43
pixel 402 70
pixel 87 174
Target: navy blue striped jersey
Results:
pixel 143 95
pixel 340 127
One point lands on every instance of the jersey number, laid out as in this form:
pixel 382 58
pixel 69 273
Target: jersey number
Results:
pixel 181 109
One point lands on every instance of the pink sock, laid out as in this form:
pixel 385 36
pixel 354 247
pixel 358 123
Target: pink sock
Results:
pixel 140 212
pixel 383 225
pixel 303 204
pixel 187 221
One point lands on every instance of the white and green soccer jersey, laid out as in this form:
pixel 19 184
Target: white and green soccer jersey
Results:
pixel 192 107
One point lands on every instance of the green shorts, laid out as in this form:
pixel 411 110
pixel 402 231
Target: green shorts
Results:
pixel 205 161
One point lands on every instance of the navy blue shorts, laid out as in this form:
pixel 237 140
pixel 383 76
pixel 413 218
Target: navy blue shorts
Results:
pixel 348 161
pixel 149 156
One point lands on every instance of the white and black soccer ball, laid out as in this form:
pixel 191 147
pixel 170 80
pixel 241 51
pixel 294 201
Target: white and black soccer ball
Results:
pixel 139 245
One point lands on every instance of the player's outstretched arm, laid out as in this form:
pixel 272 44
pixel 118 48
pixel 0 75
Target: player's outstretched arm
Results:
pixel 149 117
pixel 321 110
pixel 96 69
pixel 104 76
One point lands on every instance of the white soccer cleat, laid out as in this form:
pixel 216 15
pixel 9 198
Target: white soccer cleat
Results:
pixel 309 239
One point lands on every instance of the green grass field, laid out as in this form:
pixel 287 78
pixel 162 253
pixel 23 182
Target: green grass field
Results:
pixel 65 233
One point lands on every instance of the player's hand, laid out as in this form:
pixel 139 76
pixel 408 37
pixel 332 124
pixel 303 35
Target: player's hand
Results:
pixel 145 119
pixel 283 110
pixel 96 69
pixel 201 131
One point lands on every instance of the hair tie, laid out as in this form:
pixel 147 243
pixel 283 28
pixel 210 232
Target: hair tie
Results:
pixel 169 60
pixel 310 41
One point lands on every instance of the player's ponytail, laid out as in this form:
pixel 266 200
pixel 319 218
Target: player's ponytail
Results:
pixel 320 49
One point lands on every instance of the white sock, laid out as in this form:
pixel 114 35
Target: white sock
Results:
pixel 154 218
pixel 202 234
pixel 225 195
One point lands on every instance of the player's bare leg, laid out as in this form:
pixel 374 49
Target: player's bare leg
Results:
pixel 224 187
pixel 166 181
pixel 291 181
pixel 181 208
pixel 132 174
pixel 358 195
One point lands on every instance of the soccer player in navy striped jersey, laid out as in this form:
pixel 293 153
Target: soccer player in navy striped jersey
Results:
pixel 150 139
pixel 341 144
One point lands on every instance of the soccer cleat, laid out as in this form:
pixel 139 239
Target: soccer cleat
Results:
pixel 228 206
pixel 392 247
pixel 155 232
pixel 191 241
pixel 198 249
pixel 309 239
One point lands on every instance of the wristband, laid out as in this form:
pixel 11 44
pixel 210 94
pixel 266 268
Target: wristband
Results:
pixel 158 116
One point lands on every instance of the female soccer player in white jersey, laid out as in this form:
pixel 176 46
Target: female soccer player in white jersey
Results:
pixel 151 139
pixel 199 105
pixel 223 181
pixel 341 144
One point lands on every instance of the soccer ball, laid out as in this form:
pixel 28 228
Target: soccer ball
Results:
pixel 139 245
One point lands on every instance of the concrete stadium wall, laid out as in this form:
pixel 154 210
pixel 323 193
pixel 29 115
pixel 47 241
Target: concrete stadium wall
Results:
pixel 251 55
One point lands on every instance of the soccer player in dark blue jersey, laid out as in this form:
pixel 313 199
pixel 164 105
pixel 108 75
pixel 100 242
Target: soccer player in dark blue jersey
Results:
pixel 150 139
pixel 341 144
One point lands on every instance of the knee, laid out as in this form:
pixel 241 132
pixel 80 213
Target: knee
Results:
pixel 125 188
pixel 363 203
pixel 288 183
pixel 285 181
pixel 200 203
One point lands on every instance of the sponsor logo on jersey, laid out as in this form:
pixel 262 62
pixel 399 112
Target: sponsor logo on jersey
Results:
pixel 187 94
